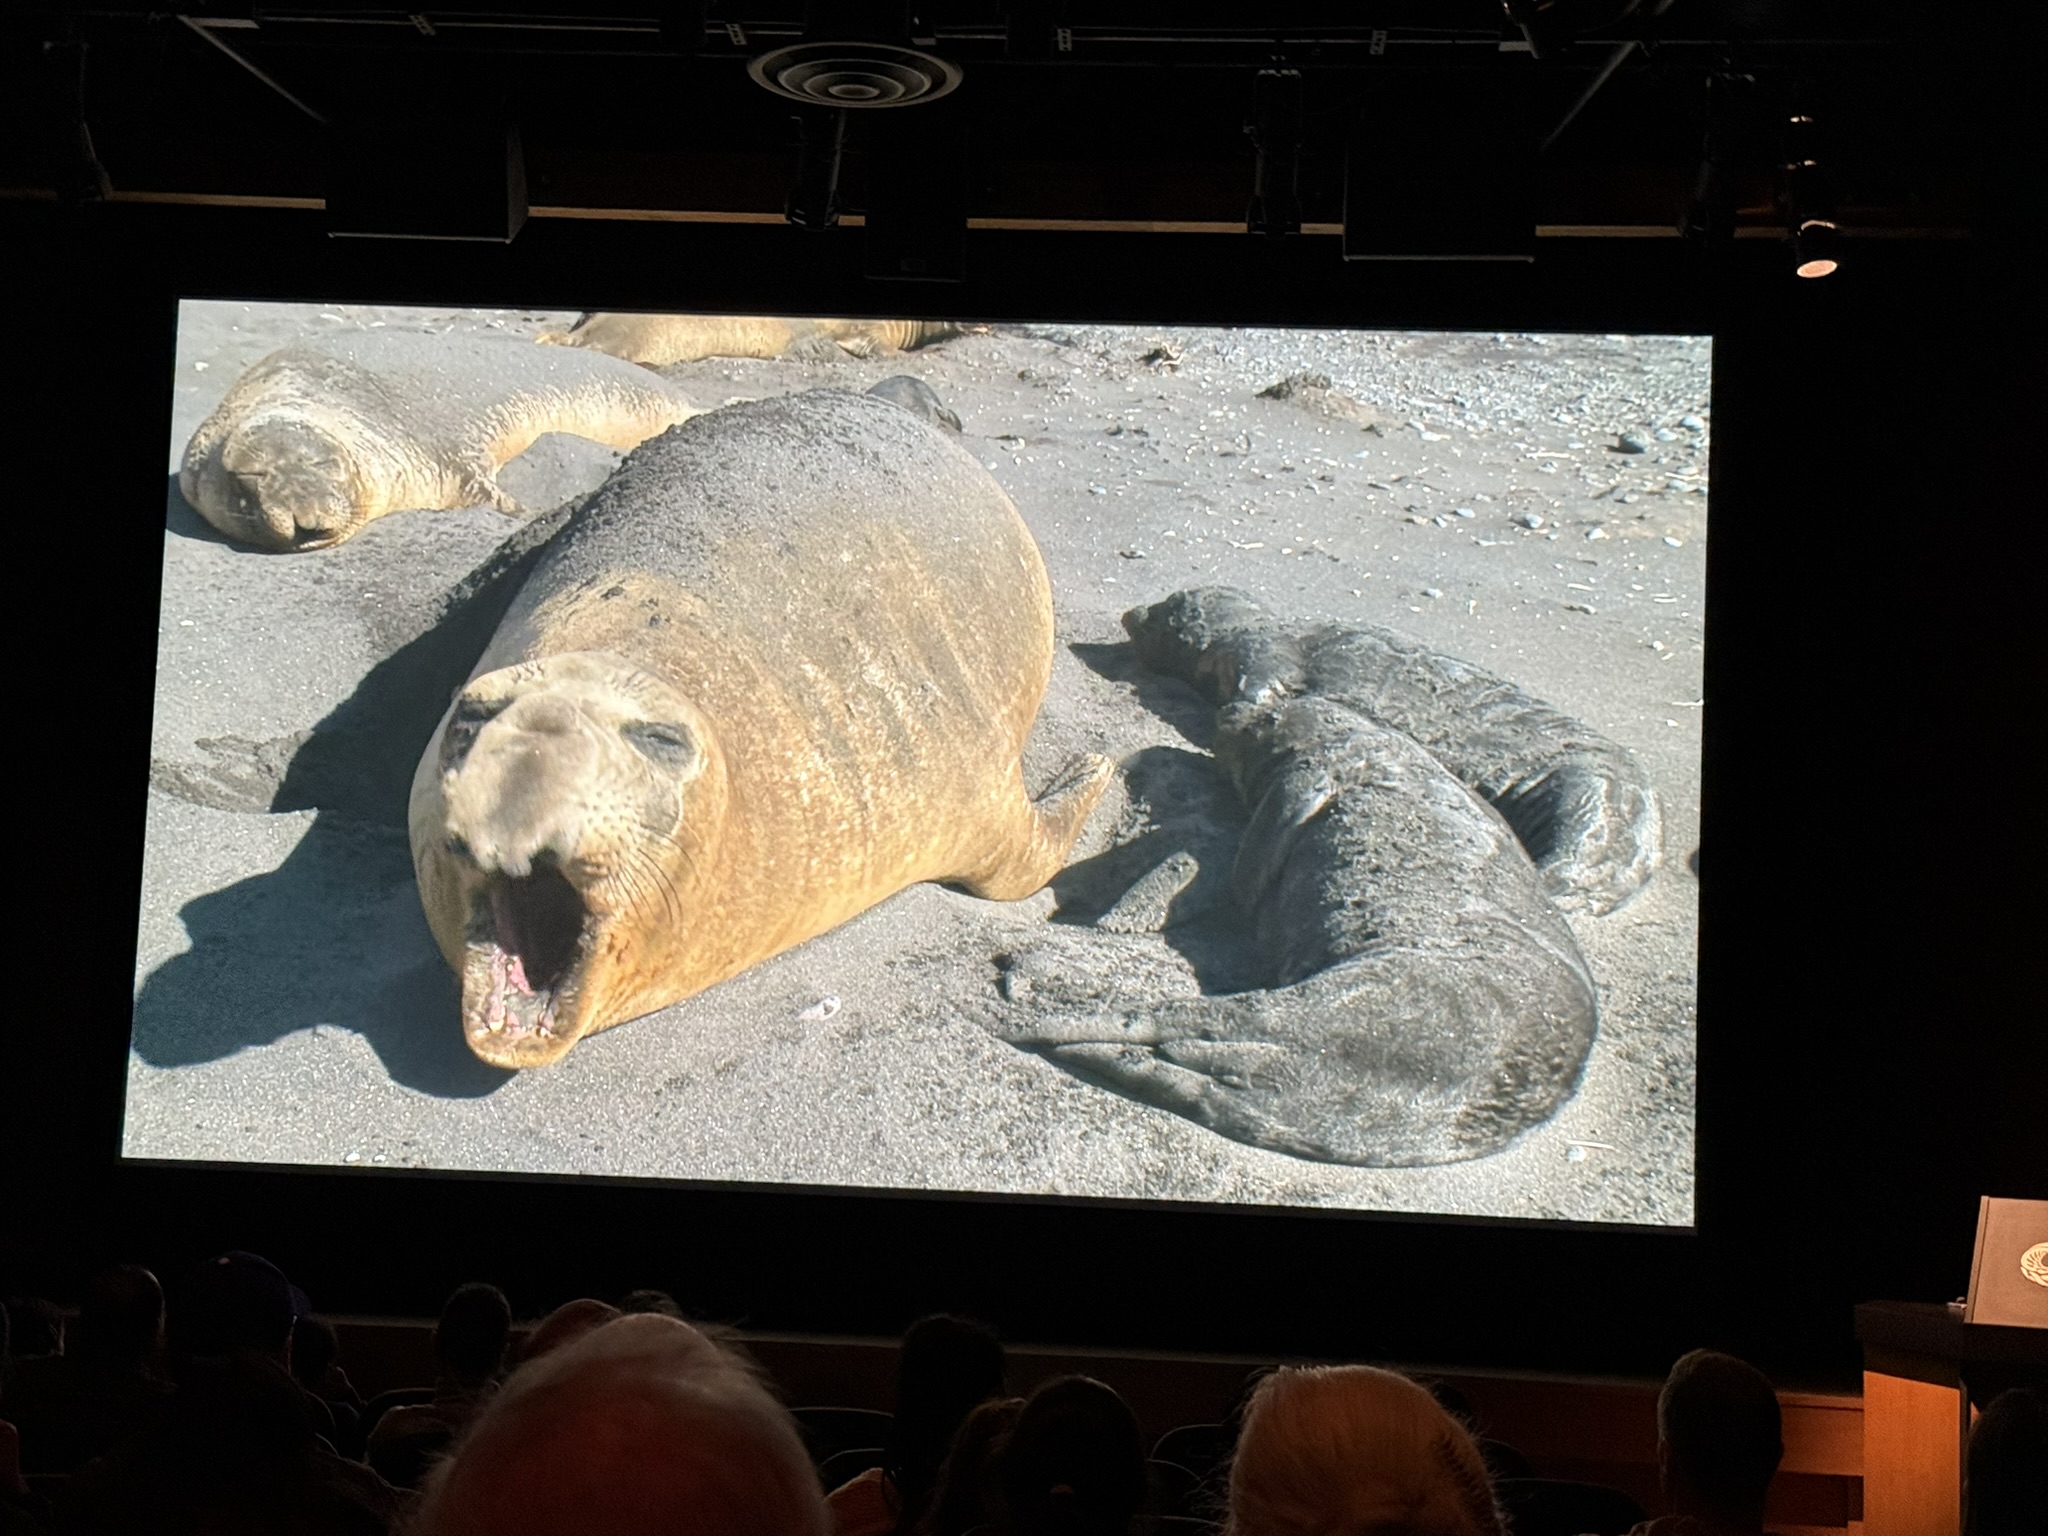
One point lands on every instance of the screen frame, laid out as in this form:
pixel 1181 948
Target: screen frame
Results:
pixel 1369 1284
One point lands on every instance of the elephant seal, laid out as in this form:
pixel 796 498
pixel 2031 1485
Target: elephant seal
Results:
pixel 1427 1004
pixel 324 436
pixel 656 341
pixel 1582 805
pixel 778 668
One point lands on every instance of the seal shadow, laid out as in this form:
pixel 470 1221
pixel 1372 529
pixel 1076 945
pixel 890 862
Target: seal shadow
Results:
pixel 183 519
pixel 1172 700
pixel 334 935
pixel 332 938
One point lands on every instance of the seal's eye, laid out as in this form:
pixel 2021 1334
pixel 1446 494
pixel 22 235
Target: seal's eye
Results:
pixel 666 746
pixel 471 715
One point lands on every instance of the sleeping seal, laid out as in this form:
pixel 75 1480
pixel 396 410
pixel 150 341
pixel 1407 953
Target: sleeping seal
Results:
pixel 324 436
pixel 1582 805
pixel 659 340
pixel 1427 1001
pixel 781 666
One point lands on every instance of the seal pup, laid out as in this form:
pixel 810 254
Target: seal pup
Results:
pixel 780 666
pixel 324 436
pixel 655 341
pixel 1582 805
pixel 1428 1003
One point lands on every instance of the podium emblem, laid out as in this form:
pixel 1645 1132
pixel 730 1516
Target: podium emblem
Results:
pixel 2034 1263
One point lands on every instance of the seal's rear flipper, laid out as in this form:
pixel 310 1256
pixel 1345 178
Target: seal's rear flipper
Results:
pixel 1041 832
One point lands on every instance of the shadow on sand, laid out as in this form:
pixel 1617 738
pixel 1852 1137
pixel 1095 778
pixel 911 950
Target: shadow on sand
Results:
pixel 1192 809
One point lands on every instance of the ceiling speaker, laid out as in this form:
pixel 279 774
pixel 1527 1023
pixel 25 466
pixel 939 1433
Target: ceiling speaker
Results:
pixel 854 75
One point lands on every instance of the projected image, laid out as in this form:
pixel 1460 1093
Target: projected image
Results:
pixel 1126 762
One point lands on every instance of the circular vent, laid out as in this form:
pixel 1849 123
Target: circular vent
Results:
pixel 854 75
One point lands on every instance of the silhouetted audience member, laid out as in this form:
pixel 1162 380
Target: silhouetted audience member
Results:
pixel 35 1328
pixel 1072 1464
pixel 565 1325
pixel 2006 1493
pixel 1719 1441
pixel 469 1347
pixel 239 1448
pixel 316 1366
pixel 640 1427
pixel 74 1406
pixel 660 1303
pixel 1352 1448
pixel 21 1512
pixel 965 1495
pixel 946 1368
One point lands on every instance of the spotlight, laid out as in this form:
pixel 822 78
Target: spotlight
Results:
pixel 1809 201
pixel 1275 131
pixel 814 196
pixel 1814 245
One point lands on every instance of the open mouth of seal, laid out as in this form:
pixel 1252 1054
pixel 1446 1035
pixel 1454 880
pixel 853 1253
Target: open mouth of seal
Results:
pixel 528 938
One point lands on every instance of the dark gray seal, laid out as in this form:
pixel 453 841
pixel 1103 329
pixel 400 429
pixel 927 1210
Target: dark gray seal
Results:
pixel 918 398
pixel 1582 805
pixel 1428 1002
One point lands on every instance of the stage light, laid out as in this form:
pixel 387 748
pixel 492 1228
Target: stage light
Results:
pixel 1809 201
pixel 1275 130
pixel 1814 246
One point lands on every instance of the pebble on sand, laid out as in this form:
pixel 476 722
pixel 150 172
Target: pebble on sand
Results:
pixel 1630 443
pixel 1531 520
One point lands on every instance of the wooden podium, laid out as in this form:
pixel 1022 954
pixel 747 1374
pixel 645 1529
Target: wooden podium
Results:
pixel 1924 1371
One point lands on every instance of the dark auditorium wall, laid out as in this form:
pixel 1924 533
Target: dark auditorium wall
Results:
pixel 1871 1041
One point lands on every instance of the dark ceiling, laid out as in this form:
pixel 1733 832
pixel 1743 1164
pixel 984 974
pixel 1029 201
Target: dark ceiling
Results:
pixel 1119 115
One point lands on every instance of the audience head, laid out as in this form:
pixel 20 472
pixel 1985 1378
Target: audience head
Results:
pixel 120 1319
pixel 659 1303
pixel 315 1348
pixel 236 1302
pixel 1718 1433
pixel 947 1366
pixel 470 1338
pixel 962 1497
pixel 1353 1450
pixel 35 1327
pixel 565 1325
pixel 640 1426
pixel 2007 1488
pixel 1073 1461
